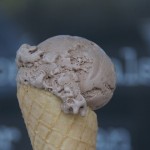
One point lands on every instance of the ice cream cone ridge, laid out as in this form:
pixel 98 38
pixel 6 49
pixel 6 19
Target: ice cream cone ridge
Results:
pixel 51 129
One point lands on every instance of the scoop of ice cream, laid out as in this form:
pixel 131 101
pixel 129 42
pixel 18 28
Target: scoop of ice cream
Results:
pixel 73 68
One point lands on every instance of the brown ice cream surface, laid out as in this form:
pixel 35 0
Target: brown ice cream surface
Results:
pixel 73 68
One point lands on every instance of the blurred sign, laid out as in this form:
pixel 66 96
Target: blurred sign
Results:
pixel 114 139
pixel 135 71
pixel 7 72
pixel 9 136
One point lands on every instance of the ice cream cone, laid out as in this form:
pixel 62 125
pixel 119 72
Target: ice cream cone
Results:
pixel 51 129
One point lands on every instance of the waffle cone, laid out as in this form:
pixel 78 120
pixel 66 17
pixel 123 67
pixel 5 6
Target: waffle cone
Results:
pixel 49 128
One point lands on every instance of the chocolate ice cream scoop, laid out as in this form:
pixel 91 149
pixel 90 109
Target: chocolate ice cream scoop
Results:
pixel 73 68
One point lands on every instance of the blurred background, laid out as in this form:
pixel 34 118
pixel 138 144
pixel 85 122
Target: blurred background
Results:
pixel 120 27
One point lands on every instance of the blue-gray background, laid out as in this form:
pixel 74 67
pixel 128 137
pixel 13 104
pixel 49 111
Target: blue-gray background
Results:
pixel 120 27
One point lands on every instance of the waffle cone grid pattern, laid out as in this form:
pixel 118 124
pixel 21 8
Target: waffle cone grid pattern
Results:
pixel 49 128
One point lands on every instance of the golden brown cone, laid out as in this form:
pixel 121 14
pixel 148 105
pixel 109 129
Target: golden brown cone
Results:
pixel 49 128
